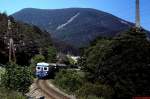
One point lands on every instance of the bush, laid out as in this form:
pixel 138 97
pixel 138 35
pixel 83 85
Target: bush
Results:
pixel 17 78
pixel 97 91
pixel 69 80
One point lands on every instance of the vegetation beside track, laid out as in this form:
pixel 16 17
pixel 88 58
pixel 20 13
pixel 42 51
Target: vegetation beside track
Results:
pixel 116 68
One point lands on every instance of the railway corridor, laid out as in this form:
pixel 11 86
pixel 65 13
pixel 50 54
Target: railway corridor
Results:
pixel 48 91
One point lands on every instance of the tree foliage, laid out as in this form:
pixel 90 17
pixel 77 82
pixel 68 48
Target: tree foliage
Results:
pixel 69 80
pixel 27 39
pixel 51 57
pixel 95 90
pixel 94 55
pixel 17 78
pixel 122 63
pixel 37 58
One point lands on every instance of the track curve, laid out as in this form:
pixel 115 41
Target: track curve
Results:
pixel 48 91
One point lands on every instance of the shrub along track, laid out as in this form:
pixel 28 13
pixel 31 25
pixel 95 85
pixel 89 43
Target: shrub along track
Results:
pixel 49 92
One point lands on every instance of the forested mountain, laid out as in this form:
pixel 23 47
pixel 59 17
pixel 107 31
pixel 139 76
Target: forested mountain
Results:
pixel 75 26
pixel 28 40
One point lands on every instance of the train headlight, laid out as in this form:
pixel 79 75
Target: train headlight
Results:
pixel 38 68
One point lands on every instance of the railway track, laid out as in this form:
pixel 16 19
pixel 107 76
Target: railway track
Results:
pixel 49 92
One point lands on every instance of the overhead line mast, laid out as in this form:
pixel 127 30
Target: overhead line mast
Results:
pixel 137 25
pixel 12 56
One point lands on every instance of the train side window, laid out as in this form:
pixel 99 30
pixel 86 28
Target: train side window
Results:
pixel 38 68
pixel 45 68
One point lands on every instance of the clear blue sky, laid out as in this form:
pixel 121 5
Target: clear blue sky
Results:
pixel 124 9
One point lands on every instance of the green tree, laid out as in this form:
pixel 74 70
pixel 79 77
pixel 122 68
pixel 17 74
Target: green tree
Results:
pixel 51 57
pixel 37 58
pixel 29 40
pixel 123 64
pixel 71 61
pixel 69 80
pixel 17 78
pixel 94 55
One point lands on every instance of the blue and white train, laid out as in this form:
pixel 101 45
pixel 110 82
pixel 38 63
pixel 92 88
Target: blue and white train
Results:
pixel 44 70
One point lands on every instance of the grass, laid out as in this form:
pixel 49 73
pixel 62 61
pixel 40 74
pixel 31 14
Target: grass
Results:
pixel 9 94
pixel 2 71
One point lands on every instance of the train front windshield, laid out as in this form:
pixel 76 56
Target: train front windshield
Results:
pixel 42 68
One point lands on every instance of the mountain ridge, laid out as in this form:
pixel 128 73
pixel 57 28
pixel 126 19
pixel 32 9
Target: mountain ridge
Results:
pixel 75 26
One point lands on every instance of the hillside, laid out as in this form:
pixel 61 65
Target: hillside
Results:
pixel 28 40
pixel 75 26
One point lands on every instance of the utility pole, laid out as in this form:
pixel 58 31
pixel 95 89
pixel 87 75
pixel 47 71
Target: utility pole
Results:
pixel 137 14
pixel 12 56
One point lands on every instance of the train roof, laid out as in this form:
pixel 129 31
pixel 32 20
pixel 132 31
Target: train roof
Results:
pixel 50 64
pixel 42 64
pixel 61 65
